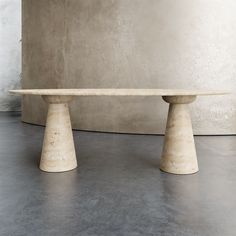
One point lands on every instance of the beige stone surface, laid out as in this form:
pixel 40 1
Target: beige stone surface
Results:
pixel 118 92
pixel 58 153
pixel 179 154
pixel 131 44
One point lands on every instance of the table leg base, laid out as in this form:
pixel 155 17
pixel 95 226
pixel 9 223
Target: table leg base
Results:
pixel 169 169
pixel 58 154
pixel 179 153
pixel 59 170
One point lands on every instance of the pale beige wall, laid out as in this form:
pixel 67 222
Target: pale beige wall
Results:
pixel 131 44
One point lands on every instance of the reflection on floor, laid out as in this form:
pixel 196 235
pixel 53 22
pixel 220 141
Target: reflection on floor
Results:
pixel 117 189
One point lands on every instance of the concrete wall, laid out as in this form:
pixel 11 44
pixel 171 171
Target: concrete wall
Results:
pixel 131 44
pixel 10 53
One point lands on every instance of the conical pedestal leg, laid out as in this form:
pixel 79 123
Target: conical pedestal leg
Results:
pixel 58 153
pixel 179 153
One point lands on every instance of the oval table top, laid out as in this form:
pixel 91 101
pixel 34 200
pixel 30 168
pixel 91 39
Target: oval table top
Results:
pixel 118 92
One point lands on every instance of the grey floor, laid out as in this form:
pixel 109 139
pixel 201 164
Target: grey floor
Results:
pixel 117 189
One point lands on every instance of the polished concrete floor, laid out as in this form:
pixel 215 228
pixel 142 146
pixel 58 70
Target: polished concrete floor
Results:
pixel 117 190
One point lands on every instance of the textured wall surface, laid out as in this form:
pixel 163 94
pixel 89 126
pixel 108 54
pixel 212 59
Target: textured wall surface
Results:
pixel 131 44
pixel 10 53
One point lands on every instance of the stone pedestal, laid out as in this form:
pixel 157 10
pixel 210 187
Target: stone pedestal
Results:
pixel 58 153
pixel 179 154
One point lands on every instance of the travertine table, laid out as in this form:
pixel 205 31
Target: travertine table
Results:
pixel 58 153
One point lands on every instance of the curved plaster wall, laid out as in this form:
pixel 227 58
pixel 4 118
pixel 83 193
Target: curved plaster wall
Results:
pixel 131 44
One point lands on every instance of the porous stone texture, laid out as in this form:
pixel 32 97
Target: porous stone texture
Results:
pixel 179 153
pixel 58 154
pixel 131 44
pixel 177 95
